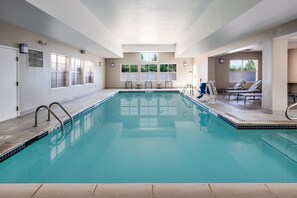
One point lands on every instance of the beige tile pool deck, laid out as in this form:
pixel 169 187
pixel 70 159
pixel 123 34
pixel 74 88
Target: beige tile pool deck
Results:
pixel 148 190
pixel 18 131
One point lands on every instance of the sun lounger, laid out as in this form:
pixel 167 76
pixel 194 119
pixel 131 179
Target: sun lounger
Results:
pixel 253 89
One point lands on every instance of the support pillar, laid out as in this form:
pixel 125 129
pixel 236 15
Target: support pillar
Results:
pixel 275 75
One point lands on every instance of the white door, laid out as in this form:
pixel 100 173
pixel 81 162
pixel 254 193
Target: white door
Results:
pixel 8 79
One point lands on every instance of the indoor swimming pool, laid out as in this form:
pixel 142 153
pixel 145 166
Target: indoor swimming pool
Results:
pixel 154 137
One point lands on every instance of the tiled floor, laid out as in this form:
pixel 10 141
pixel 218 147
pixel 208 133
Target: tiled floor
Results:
pixel 148 190
pixel 250 115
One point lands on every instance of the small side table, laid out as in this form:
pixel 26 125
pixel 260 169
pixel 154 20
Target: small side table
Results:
pixel 159 85
pixel 148 84
pixel 138 85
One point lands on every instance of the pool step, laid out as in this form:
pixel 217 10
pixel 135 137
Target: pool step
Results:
pixel 282 145
pixel 292 137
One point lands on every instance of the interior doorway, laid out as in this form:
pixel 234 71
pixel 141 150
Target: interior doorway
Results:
pixel 8 83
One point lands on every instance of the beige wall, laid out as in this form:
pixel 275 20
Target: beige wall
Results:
pixel 35 84
pixel 222 70
pixel 292 66
pixel 292 71
pixel 184 74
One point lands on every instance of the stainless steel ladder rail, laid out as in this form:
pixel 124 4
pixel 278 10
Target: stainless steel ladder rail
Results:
pixel 56 103
pixel 288 108
pixel 49 111
pixel 188 86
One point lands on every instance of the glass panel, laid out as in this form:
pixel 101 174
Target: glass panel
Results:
pixel 235 65
pixel 133 68
pixel 144 68
pixel 53 80
pixel 163 76
pixel 144 76
pixel 235 76
pixel 134 76
pixel 124 76
pixel 54 66
pixel 153 76
pixel 61 59
pixel 163 67
pixel 61 79
pixel 62 67
pixel 172 67
pixel 53 58
pixel 153 68
pixel 149 56
pixel 171 76
pixel 250 65
pixel 249 76
pixel 125 68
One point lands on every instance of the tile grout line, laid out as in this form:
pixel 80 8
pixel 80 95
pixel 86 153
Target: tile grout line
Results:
pixel 211 190
pixel 36 190
pixel 94 191
pixel 274 196
pixel 152 196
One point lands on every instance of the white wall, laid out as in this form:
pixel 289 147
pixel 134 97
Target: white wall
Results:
pixel 35 84
pixel 202 68
pixel 184 74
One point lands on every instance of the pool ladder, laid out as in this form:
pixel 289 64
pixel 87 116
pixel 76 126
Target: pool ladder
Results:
pixel 50 111
pixel 190 87
pixel 287 110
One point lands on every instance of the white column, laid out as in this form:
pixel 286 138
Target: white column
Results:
pixel 274 75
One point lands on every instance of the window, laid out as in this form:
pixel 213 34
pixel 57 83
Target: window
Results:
pixel 149 72
pixel 35 58
pixel 167 72
pixel 243 70
pixel 149 57
pixel 89 72
pixel 76 71
pixel 129 72
pixel 58 70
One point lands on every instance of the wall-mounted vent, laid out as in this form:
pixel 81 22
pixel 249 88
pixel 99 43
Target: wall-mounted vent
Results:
pixel 35 58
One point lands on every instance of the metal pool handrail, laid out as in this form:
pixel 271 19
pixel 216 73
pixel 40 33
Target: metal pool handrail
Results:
pixel 49 111
pixel 288 108
pixel 188 86
pixel 56 103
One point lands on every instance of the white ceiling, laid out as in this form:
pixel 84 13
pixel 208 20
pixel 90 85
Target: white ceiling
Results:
pixel 111 27
pixel 147 21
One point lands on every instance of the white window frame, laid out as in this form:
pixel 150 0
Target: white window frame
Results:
pixel 148 61
pixel 72 72
pixel 140 72
pixel 57 71
pixel 242 70
pixel 85 72
pixel 159 70
pixel 129 79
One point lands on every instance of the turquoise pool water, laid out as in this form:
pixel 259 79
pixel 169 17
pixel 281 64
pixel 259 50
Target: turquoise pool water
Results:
pixel 154 138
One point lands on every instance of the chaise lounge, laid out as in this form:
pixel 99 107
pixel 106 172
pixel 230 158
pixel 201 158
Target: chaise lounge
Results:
pixel 253 89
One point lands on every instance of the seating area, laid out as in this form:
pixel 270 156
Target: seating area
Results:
pixel 255 88
pixel 253 93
